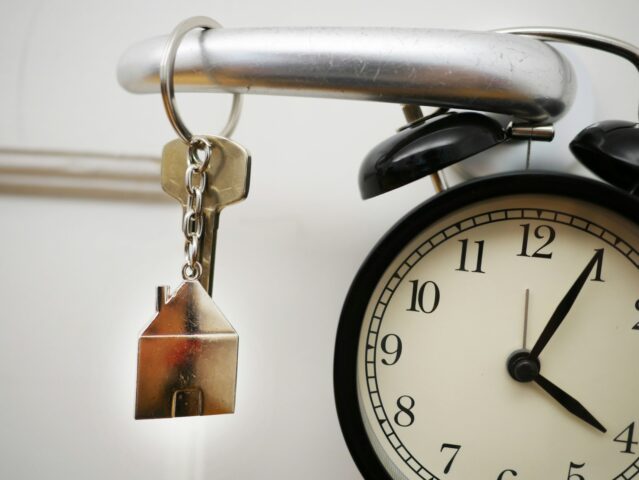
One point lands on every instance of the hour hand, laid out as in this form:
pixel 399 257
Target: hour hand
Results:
pixel 568 402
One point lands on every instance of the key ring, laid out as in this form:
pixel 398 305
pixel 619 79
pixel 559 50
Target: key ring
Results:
pixel 167 86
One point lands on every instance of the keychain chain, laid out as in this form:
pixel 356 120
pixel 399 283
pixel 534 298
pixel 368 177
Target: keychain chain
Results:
pixel 193 220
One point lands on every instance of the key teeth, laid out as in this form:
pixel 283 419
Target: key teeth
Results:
pixel 163 293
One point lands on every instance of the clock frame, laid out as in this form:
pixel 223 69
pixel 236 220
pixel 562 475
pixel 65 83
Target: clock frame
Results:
pixel 387 249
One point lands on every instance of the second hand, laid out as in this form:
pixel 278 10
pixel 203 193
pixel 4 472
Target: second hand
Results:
pixel 526 316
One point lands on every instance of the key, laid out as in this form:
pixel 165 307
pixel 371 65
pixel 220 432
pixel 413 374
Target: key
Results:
pixel 187 355
pixel 228 177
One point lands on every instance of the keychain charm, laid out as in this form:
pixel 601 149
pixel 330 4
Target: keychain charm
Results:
pixel 187 356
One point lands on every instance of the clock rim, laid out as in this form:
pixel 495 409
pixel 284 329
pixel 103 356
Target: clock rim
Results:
pixel 385 251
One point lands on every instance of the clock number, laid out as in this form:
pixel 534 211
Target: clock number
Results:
pixel 405 416
pixel 397 351
pixel 575 476
pixel 599 265
pixel 541 232
pixel 628 439
pixel 464 251
pixel 417 297
pixel 501 475
pixel 457 448
pixel 636 327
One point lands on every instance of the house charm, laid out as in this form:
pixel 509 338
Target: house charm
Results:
pixel 187 357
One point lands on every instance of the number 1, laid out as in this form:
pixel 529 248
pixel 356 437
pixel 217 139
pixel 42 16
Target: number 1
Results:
pixel 600 255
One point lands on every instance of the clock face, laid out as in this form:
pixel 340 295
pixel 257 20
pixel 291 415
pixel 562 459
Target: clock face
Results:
pixel 445 384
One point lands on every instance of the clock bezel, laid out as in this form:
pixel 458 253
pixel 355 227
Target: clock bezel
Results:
pixel 386 250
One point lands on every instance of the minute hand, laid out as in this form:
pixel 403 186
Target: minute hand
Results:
pixel 564 306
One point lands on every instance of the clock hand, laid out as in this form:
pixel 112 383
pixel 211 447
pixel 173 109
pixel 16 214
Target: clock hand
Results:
pixel 526 317
pixel 568 402
pixel 564 307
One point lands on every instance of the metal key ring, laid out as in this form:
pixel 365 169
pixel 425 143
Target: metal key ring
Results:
pixel 167 86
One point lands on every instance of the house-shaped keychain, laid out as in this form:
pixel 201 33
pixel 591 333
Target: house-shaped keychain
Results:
pixel 187 357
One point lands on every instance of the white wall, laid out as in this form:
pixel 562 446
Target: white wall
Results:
pixel 78 277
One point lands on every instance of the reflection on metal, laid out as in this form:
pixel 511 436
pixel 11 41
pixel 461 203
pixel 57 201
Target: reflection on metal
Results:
pixel 187 358
pixel 473 70
pixel 580 37
pixel 90 175
pixel 540 133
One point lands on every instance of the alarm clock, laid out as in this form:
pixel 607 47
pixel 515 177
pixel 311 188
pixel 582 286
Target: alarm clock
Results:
pixel 493 332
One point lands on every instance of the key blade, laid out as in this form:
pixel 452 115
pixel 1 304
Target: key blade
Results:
pixel 207 251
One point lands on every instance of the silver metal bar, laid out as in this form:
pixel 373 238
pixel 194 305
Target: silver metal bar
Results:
pixel 580 37
pixel 484 71
pixel 83 175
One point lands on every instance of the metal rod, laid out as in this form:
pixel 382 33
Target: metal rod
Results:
pixel 484 71
pixel 580 37
pixel 78 174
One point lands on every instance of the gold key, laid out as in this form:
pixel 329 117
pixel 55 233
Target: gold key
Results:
pixel 187 356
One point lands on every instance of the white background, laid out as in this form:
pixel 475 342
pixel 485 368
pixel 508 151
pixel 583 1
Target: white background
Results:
pixel 78 277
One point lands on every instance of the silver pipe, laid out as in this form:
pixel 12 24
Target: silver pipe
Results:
pixel 80 174
pixel 483 71
pixel 580 37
